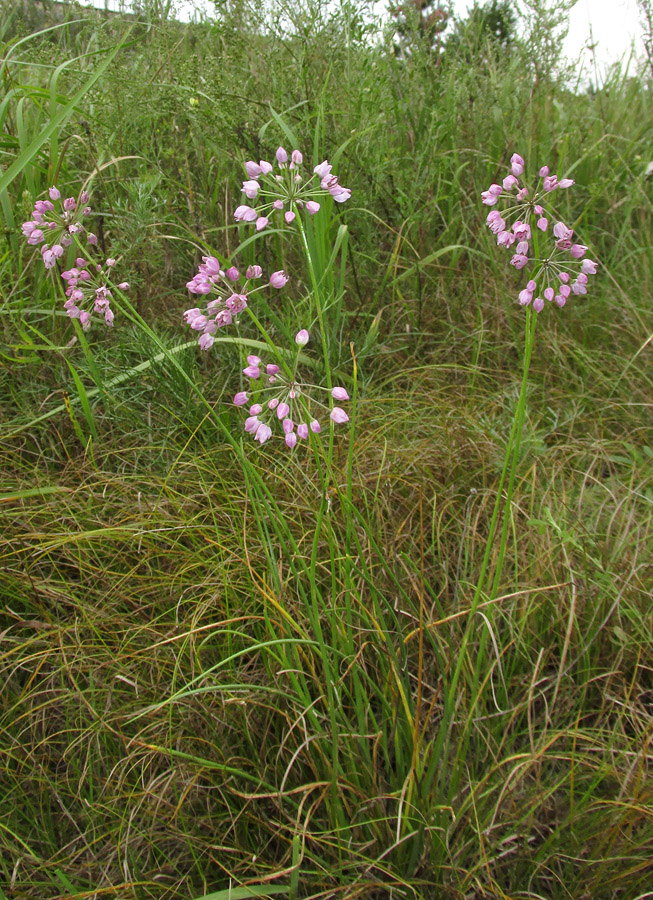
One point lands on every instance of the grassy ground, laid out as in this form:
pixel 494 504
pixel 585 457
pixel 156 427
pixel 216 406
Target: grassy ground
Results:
pixel 209 677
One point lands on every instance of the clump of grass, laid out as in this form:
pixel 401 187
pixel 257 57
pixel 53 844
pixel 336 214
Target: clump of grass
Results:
pixel 208 679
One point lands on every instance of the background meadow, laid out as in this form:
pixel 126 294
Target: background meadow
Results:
pixel 219 680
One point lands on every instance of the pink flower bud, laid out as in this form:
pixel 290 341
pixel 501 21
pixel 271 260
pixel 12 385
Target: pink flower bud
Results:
pixel 206 342
pixel 108 317
pixel 531 285
pixel 288 425
pixel 297 157
pixel 565 290
pixel 36 236
pixel 278 279
pixel 339 416
pixel 289 216
pixel 83 197
pixel 232 274
pixel 525 297
pixel 589 267
pixel 278 204
pixel 509 182
pixel 282 411
pixel 566 182
pixel 69 204
pixel 245 214
pixel 266 167
pixel 251 424
pixel 564 277
pixel 339 393
pixel 312 207
pixel 55 193
pixel 254 272
pixel 111 262
pixel 550 183
pixel 251 371
pixel 519 261
pixel 522 248
pixel 253 169
pixel 322 170
pixel 516 164
pixel 282 156
pixel 263 432
pixel 271 369
pixel 91 239
pixel 542 223
pixel 240 399
pixel 544 171
pixel 301 337
pixel 255 409
pixel 261 222
pixel 523 194
pixel 273 403
pixel 291 440
pixel 578 251
pixel 561 300
pixel 315 426
pixel 538 304
pixel 250 189
pixel 549 294
pixel 254 360
pixel 302 431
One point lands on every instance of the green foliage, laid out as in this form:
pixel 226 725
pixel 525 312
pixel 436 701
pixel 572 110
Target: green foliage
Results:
pixel 221 680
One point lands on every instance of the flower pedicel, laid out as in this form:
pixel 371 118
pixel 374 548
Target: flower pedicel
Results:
pixel 513 225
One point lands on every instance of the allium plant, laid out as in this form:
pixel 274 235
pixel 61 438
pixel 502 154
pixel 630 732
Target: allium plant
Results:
pixel 281 397
pixel 521 221
pixel 229 292
pixel 54 222
pixel 286 190
pixel 87 288
pixel 521 213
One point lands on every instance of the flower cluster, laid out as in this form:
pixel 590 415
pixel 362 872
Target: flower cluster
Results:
pixel 287 189
pixel 53 226
pixel 515 224
pixel 88 284
pixel 288 400
pixel 228 299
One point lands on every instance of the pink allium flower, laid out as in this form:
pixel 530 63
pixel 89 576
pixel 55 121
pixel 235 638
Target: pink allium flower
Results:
pixel 292 401
pixel 288 190
pixel 224 302
pixel 517 217
pixel 339 416
pixel 60 220
pixel 86 284
pixel 302 337
pixel 278 279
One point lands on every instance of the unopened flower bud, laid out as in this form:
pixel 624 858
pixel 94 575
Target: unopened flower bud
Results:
pixel 278 279
pixel 301 337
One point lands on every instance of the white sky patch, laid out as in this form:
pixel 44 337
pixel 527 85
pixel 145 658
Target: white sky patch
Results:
pixel 613 26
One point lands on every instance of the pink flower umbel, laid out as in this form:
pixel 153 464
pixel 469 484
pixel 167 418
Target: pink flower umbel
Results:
pixel 521 210
pixel 288 190
pixel 53 224
pixel 87 287
pixel 229 293
pixel 280 400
